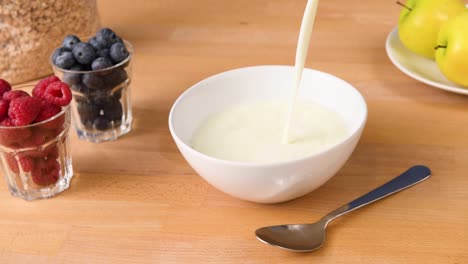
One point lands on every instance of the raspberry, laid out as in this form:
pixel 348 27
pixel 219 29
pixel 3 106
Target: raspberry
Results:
pixel 4 87
pixel 24 110
pixel 3 109
pixel 39 137
pixel 11 137
pixel 45 172
pixel 58 93
pixel 41 86
pixel 51 152
pixel 47 111
pixel 58 124
pixel 10 95
pixel 27 163
pixel 7 122
pixel 12 163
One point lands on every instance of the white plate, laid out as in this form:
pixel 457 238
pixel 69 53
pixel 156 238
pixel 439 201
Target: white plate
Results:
pixel 418 67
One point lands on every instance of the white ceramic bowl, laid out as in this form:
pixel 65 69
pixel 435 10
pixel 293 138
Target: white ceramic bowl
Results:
pixel 272 182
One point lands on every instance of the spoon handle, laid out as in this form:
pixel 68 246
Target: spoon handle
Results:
pixel 412 176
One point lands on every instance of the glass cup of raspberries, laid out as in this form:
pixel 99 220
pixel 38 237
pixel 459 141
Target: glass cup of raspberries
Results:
pixel 34 146
pixel 99 73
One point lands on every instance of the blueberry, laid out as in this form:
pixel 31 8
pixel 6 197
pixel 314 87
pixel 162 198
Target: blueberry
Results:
pixel 58 52
pixel 73 78
pixel 101 97
pixel 110 108
pixel 78 67
pixel 113 110
pixel 65 60
pixel 70 41
pixel 117 123
pixel 100 64
pixel 84 53
pixel 93 41
pixel 106 37
pixel 88 112
pixel 116 77
pixel 102 123
pixel 80 99
pixel 117 94
pixel 79 87
pixel 93 81
pixel 118 52
pixel 107 104
pixel 85 67
pixel 103 53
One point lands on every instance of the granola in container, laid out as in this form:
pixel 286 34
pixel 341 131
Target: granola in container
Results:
pixel 30 30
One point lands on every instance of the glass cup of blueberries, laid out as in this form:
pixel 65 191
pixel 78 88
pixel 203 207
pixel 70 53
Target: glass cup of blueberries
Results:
pixel 98 71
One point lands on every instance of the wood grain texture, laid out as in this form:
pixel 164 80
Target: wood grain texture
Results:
pixel 136 200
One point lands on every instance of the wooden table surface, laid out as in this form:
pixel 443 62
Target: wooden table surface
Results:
pixel 136 200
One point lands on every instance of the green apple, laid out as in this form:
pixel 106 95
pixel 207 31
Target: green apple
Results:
pixel 420 22
pixel 452 49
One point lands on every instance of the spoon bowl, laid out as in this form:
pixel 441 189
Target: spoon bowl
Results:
pixel 294 237
pixel 309 237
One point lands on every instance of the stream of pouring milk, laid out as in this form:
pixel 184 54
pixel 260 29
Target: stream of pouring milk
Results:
pixel 273 131
pixel 301 54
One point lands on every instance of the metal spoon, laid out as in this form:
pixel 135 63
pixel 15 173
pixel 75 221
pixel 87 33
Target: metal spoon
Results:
pixel 309 237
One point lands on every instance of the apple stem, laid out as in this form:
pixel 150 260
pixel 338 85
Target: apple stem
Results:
pixel 403 5
pixel 440 46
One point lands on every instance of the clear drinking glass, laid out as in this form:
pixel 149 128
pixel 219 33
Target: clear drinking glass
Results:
pixel 101 107
pixel 36 158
